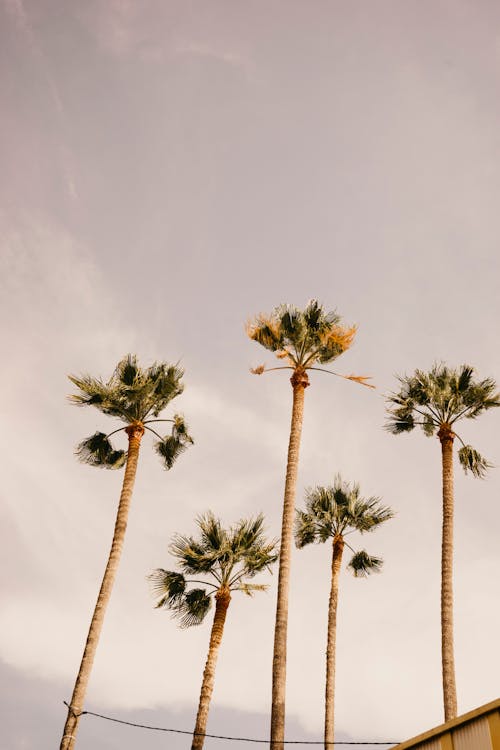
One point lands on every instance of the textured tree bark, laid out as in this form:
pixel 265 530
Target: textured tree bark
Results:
pixel 446 436
pixel 222 599
pixel 299 381
pixel 338 548
pixel 135 433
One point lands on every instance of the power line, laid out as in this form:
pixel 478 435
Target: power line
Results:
pixel 223 737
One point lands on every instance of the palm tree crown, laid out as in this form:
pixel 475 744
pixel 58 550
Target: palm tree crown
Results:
pixel 136 396
pixel 436 400
pixel 302 338
pixel 337 511
pixel 227 557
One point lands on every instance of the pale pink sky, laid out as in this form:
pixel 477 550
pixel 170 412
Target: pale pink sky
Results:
pixel 168 170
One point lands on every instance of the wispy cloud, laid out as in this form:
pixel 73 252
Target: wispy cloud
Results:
pixel 17 11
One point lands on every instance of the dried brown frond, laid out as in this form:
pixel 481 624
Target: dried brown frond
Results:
pixel 283 354
pixel 261 321
pixel 360 379
pixel 258 370
pixel 340 337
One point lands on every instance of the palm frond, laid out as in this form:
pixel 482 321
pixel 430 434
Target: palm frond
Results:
pixel 250 588
pixel 361 379
pixel 400 420
pixel 259 370
pixel 362 564
pixel 172 446
pixel 472 461
pixel 192 555
pixel 305 529
pixel 265 330
pixel 193 608
pixel 428 425
pixel 168 586
pixel 97 450
pixel 334 342
pixel 127 370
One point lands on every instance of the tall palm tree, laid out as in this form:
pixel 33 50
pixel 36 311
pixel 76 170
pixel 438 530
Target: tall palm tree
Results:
pixel 333 513
pixel 227 558
pixel 303 339
pixel 136 397
pixel 436 401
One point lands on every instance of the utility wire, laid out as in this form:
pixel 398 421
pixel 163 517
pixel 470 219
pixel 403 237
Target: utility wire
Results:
pixel 223 737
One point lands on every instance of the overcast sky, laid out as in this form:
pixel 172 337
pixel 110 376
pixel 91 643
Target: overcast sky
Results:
pixel 170 169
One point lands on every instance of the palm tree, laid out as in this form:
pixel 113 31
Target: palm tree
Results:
pixel 436 401
pixel 227 558
pixel 303 339
pixel 333 513
pixel 135 396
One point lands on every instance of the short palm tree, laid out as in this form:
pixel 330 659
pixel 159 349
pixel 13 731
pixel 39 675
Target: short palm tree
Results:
pixel 303 339
pixel 436 401
pixel 226 559
pixel 136 397
pixel 333 513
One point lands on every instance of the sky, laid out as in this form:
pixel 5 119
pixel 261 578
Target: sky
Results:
pixel 169 170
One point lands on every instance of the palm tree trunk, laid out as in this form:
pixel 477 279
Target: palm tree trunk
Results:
pixel 338 548
pixel 448 660
pixel 222 599
pixel 135 433
pixel 299 381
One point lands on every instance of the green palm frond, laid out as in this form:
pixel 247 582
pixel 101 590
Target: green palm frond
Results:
pixel 173 445
pixel 97 450
pixel 214 539
pixel 429 425
pixel 302 337
pixel 192 556
pixel 193 607
pixel 168 586
pixel 472 461
pixel 305 529
pixel 401 419
pixel 362 564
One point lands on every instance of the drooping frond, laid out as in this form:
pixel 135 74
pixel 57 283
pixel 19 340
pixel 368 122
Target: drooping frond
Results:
pixel 173 445
pixel 168 586
pixel 362 564
pixel 302 337
pixel 472 461
pixel 193 607
pixel 97 450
